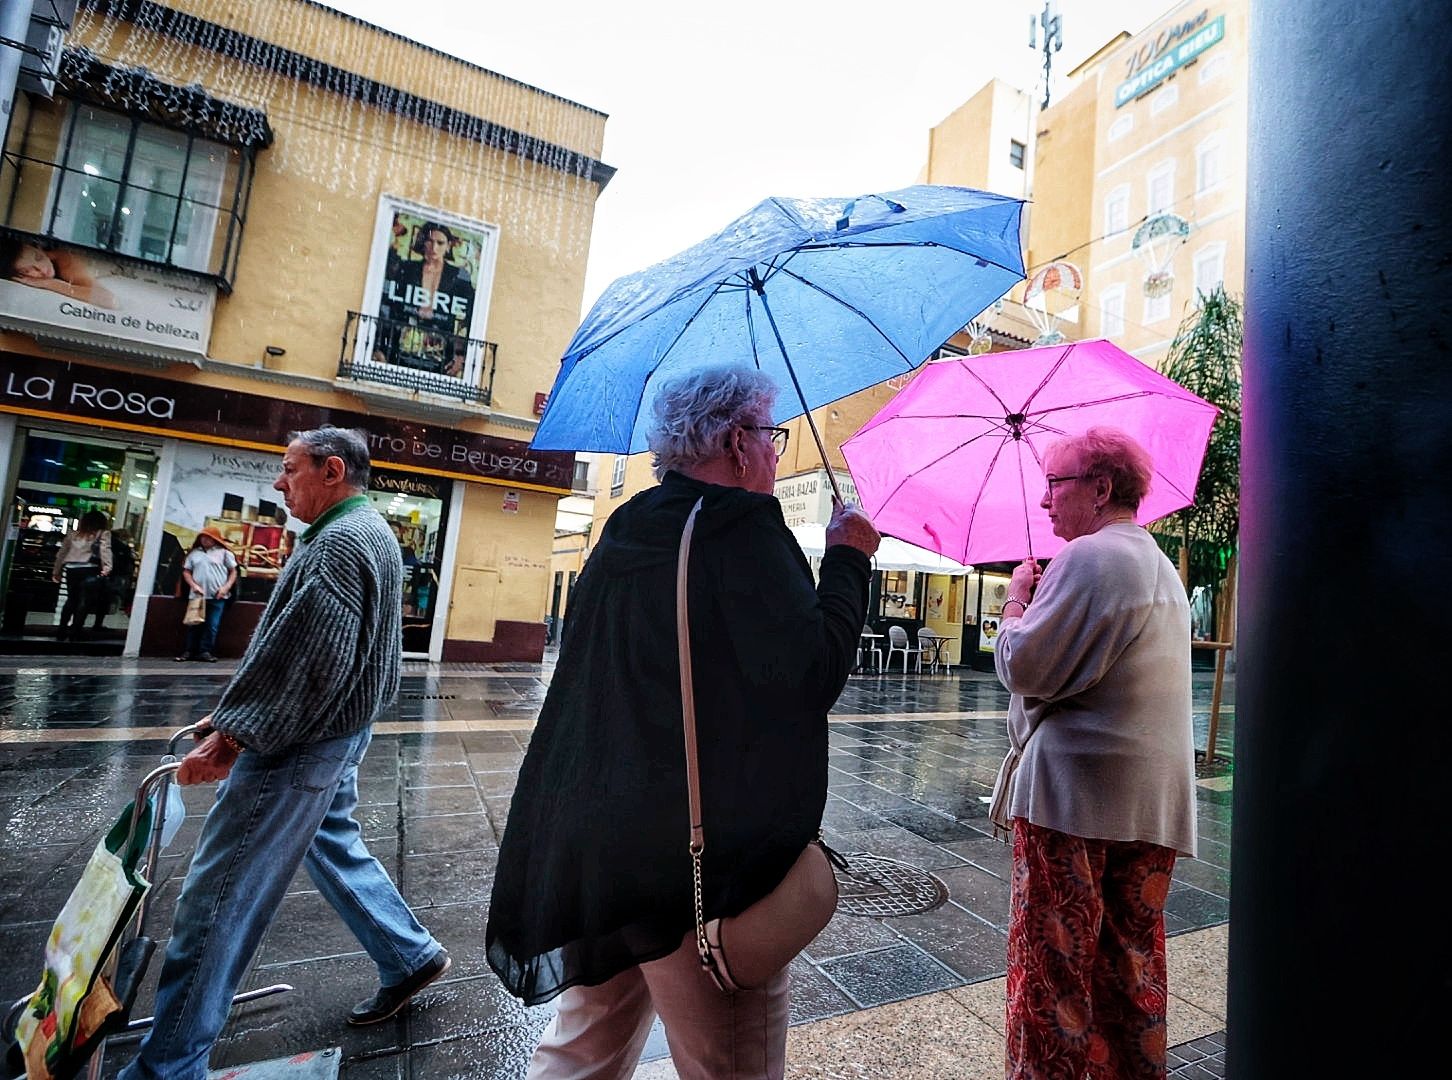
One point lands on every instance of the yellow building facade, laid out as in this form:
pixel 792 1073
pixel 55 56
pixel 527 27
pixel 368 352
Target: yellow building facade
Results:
pixel 223 221
pixel 1152 129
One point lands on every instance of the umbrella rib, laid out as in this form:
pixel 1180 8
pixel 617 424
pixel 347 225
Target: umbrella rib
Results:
pixel 978 499
pixel 909 365
pixel 907 244
pixel 1092 402
pixel 660 361
pixel 942 457
pixel 1053 370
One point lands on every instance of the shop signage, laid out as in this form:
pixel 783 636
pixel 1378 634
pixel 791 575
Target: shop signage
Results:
pixel 806 499
pixel 423 487
pixel 94 298
pixel 1171 50
pixel 70 391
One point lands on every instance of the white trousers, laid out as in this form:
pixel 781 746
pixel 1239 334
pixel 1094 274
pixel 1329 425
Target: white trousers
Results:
pixel 600 1031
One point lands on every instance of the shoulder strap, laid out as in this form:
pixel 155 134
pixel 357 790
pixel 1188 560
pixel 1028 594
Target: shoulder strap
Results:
pixel 688 717
pixel 688 698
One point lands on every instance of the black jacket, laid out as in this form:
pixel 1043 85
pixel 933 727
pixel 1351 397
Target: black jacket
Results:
pixel 594 875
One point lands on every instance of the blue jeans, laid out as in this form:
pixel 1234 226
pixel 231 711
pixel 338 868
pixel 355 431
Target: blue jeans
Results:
pixel 202 638
pixel 273 812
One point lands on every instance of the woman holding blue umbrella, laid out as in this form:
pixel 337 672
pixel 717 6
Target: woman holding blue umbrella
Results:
pixel 593 898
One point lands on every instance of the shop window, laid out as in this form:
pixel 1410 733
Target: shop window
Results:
pixel 124 185
pixel 60 477
pixel 416 509
pixel 900 594
pixel 1016 151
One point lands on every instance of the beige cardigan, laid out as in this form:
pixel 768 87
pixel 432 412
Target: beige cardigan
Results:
pixel 1101 744
pixel 76 547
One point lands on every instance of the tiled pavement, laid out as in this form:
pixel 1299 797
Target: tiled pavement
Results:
pixel 912 760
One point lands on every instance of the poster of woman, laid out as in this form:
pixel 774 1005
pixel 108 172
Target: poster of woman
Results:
pixel 430 288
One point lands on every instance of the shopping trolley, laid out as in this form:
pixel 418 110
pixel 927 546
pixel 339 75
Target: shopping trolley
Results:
pixel 79 1048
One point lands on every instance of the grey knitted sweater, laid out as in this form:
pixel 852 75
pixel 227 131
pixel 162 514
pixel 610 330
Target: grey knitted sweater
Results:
pixel 324 660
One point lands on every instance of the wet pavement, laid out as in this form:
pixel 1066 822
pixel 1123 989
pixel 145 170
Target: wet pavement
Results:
pixel 913 758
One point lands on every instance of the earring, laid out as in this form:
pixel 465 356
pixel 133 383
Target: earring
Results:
pixel 740 470
pixel 1098 509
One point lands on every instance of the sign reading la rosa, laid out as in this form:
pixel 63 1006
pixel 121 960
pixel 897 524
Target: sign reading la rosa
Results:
pixel 1172 48
pixel 117 398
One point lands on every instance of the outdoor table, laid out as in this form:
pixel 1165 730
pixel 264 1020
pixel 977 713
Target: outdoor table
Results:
pixel 938 642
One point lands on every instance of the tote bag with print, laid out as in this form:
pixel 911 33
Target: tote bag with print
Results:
pixel 76 1000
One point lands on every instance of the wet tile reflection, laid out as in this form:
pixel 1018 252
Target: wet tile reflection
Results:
pixel 911 761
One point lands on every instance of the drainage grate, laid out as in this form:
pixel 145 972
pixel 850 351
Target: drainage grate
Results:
pixel 872 885
pixel 428 697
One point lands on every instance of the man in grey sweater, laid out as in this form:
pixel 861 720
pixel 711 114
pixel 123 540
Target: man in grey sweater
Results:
pixel 287 737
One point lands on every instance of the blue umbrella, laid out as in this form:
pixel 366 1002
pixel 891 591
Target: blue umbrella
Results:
pixel 853 291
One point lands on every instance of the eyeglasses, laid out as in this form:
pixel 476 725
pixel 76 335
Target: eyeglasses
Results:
pixel 1050 481
pixel 778 435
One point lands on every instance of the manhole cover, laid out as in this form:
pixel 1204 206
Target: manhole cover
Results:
pixel 872 885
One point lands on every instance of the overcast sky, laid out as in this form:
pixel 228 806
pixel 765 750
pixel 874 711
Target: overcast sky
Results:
pixel 714 107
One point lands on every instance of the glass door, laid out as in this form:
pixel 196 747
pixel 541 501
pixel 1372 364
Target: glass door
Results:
pixel 416 509
pixel 58 478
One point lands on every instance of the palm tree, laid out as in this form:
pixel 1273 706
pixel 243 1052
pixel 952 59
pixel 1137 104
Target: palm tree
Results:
pixel 1204 358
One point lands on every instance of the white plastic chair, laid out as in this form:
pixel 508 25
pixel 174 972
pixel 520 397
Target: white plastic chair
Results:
pixel 867 649
pixel 897 641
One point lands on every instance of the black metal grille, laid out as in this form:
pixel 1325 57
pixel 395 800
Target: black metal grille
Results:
pixel 878 887
pixel 404 354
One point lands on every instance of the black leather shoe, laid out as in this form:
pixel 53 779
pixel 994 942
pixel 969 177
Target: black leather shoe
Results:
pixel 390 999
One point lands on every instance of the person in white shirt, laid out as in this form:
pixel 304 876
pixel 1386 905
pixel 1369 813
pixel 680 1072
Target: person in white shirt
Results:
pixel 210 572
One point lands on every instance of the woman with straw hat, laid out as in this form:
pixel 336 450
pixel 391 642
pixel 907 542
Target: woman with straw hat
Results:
pixel 210 571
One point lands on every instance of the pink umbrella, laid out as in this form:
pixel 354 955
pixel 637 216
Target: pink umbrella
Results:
pixel 954 463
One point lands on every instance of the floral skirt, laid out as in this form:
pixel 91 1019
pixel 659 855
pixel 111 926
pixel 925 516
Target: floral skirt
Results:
pixel 1087 986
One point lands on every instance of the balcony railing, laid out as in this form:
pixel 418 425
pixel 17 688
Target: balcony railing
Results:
pixel 405 355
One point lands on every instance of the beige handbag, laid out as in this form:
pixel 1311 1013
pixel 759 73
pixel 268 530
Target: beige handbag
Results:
pixel 196 612
pixel 743 952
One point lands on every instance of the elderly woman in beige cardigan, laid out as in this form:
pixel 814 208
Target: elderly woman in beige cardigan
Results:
pixel 1098 785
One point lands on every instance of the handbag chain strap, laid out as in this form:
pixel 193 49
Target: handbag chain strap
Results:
pixel 688 715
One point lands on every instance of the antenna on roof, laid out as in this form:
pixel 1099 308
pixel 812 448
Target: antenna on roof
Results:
pixel 1052 25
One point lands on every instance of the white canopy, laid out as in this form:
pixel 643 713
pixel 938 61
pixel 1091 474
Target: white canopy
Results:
pixel 894 554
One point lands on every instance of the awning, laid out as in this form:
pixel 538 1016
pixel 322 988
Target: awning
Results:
pixel 137 92
pixel 893 554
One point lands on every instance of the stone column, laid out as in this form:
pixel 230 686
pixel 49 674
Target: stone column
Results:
pixel 1339 939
